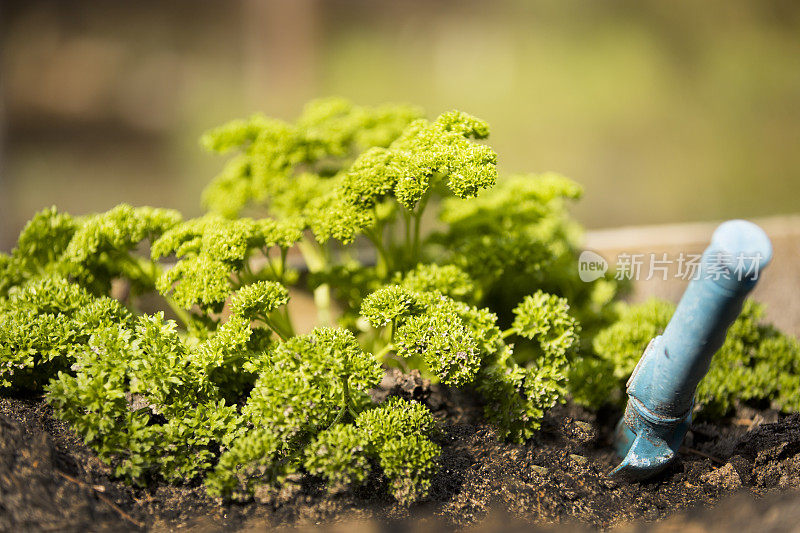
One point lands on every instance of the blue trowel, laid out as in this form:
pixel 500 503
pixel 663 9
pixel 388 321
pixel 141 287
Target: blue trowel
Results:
pixel 662 387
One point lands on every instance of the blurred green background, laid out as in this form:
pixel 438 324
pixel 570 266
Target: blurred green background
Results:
pixel 666 111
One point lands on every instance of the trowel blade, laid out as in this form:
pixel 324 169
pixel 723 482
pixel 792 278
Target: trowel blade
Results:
pixel 646 457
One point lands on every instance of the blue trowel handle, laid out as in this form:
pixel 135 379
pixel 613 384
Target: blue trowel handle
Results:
pixel 729 269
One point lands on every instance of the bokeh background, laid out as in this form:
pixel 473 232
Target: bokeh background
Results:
pixel 665 111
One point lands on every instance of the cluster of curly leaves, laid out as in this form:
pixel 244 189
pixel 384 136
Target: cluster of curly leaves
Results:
pixel 307 168
pixel 239 407
pixel 230 393
pixel 246 405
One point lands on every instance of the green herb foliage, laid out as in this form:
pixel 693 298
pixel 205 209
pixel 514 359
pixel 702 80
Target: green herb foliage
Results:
pixel 218 385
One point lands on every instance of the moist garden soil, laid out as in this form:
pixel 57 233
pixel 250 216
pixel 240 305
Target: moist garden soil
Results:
pixel 50 481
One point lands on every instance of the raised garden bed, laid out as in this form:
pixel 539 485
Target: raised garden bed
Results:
pixel 468 376
pixel 50 481
pixel 730 474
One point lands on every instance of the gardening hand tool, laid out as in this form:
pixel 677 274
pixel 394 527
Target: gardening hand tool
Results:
pixel 661 388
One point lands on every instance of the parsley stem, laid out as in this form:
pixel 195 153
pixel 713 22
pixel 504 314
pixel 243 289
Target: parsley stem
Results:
pixel 317 262
pixel 278 324
pixel 150 270
pixel 507 333
pixel 407 220
pixel 347 403
pixel 418 224
pixel 287 319
pixel 280 331
pixel 384 351
pixel 339 416
pixel 322 299
pixel 182 314
pixel 374 235
pixel 284 254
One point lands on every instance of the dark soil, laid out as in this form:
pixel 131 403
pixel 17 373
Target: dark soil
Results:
pixel 50 481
